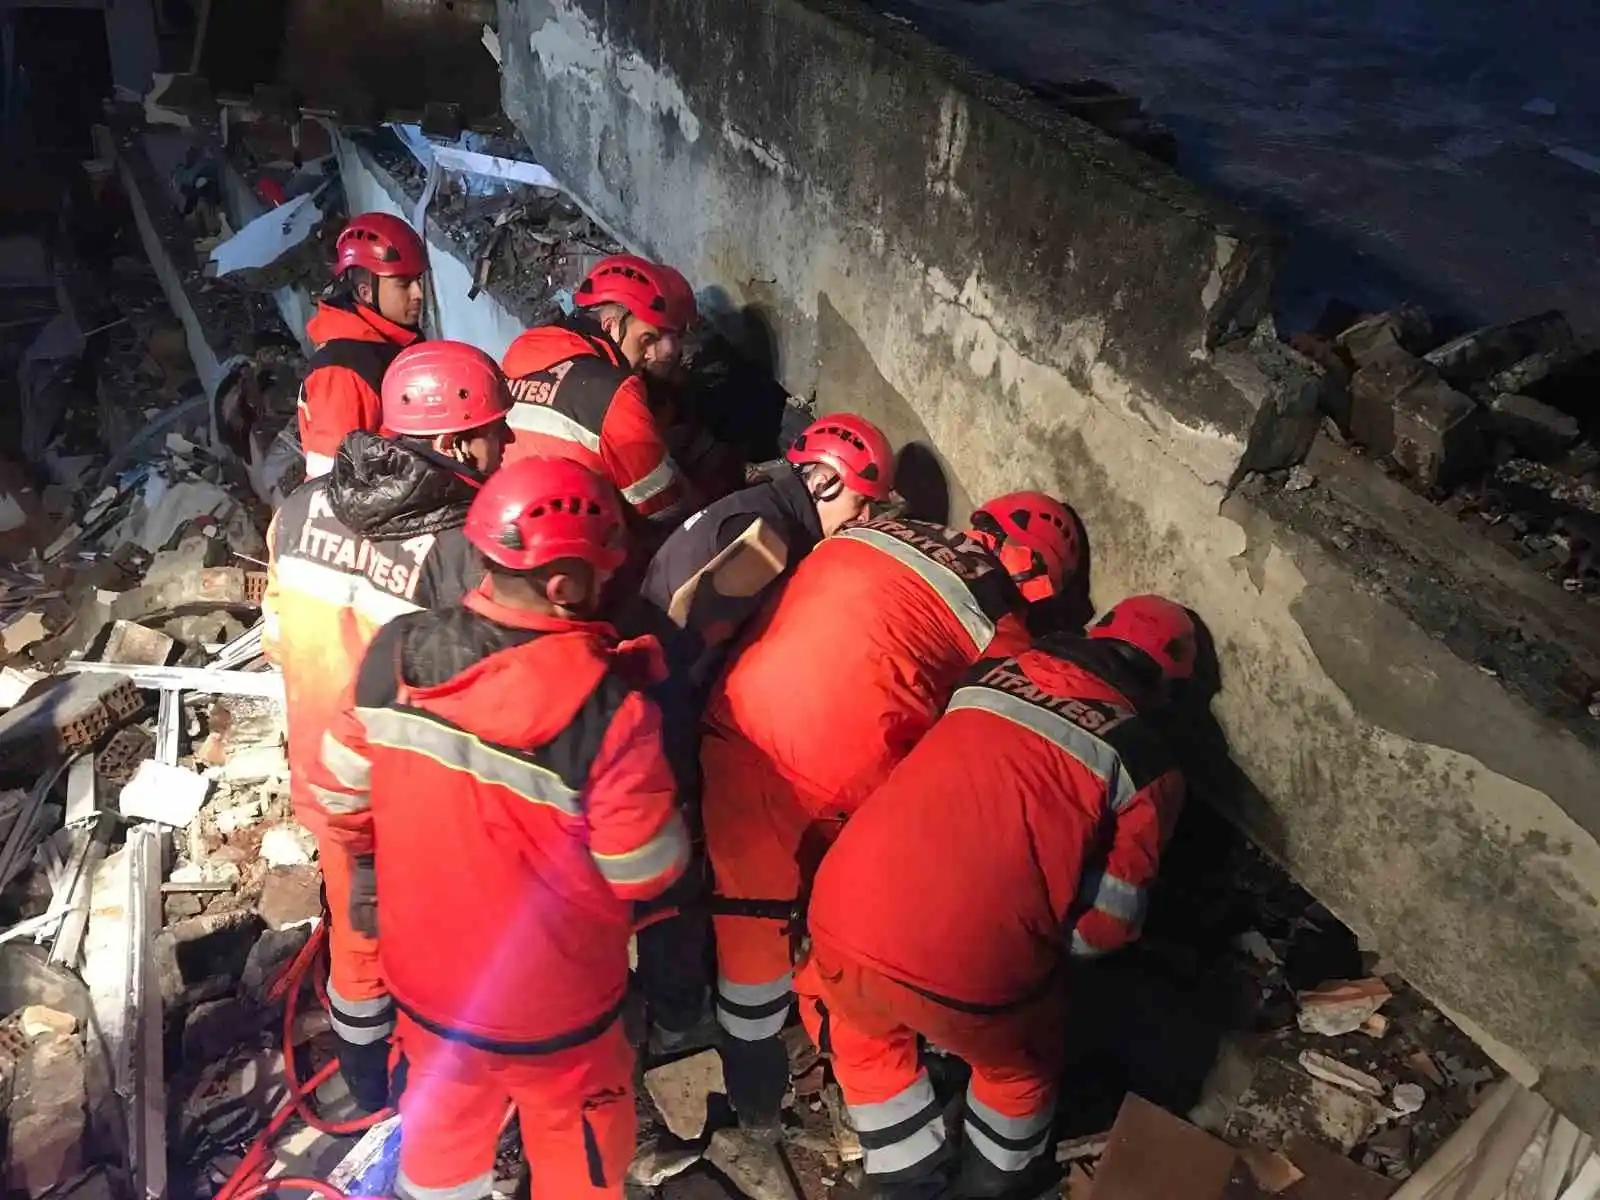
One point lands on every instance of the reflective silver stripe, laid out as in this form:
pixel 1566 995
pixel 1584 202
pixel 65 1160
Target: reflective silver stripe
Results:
pixel 1115 897
pixel 379 606
pixel 661 477
pixel 340 803
pixel 541 418
pixel 1025 1137
pixel 461 751
pixel 665 852
pixel 1096 755
pixel 921 1144
pixel 318 464
pixel 352 770
pixel 317 579
pixel 346 589
pixel 1081 947
pixel 475 1188
pixel 777 992
pixel 355 1031
pixel 956 595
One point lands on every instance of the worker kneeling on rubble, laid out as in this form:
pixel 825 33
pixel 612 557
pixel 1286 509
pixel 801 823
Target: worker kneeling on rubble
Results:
pixel 372 312
pixel 705 583
pixel 1021 832
pixel 833 684
pixel 578 389
pixel 502 763
pixel 378 536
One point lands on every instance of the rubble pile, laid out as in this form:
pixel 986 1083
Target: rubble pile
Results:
pixel 1500 425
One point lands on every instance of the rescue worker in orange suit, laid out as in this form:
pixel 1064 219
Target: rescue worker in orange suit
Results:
pixel 954 900
pixel 501 760
pixel 833 684
pixel 579 389
pixel 706 582
pixel 372 312
pixel 378 536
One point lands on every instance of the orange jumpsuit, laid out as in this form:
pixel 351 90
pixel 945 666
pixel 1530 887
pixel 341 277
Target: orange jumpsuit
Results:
pixel 511 781
pixel 378 536
pixel 833 684
pixel 355 346
pixel 1023 830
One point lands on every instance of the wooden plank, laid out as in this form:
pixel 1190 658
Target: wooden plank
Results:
pixel 1153 1153
pixel 1332 1176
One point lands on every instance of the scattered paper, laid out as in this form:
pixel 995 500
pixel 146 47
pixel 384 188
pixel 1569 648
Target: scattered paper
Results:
pixel 164 793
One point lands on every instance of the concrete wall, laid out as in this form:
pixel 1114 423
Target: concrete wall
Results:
pixel 921 243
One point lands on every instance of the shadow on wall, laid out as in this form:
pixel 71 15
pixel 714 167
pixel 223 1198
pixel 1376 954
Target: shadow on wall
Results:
pixel 735 391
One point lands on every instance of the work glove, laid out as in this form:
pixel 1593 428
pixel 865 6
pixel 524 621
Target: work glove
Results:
pixel 363 911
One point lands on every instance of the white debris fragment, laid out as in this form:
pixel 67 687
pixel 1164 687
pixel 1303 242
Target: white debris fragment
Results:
pixel 1332 1071
pixel 164 793
pixel 212 870
pixel 1409 1098
pixel 288 846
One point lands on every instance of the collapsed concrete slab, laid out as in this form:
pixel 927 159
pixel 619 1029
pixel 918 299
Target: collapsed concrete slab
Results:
pixel 1403 716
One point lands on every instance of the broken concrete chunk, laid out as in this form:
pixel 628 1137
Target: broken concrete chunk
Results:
pixel 213 870
pixel 1549 494
pixel 15 683
pixel 1285 389
pixel 1373 392
pixel 681 1088
pixel 1408 1098
pixel 239 816
pixel 1536 368
pixel 290 896
pixel 40 1021
pixel 1474 357
pixel 161 792
pixel 213 587
pixel 1408 329
pixel 252 764
pixel 288 846
pixel 1538 429
pixel 47 1150
pixel 757 1169
pixel 1341 1006
pixel 1438 434
pixel 135 644
pixel 24 631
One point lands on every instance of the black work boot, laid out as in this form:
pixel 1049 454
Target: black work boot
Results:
pixel 365 1070
pixel 757 1075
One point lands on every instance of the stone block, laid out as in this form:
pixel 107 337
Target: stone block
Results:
pixel 133 643
pixel 1474 357
pixel 1373 391
pixel 1438 434
pixel 1408 330
pixel 290 896
pixel 213 587
pixel 1286 390
pixel 1539 430
pixel 681 1089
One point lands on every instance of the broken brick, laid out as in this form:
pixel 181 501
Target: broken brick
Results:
pixel 72 715
pixel 211 587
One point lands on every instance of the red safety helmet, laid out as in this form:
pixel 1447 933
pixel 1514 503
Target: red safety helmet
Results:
pixel 380 243
pixel 653 292
pixel 1162 629
pixel 1034 536
pixel 442 387
pixel 537 510
pixel 852 446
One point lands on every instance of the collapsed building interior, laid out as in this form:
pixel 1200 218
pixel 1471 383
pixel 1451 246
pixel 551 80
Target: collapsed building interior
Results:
pixel 1370 967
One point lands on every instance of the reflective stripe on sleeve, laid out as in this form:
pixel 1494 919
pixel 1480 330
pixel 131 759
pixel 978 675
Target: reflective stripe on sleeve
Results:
pixel 662 476
pixel 340 803
pixel 1081 947
pixel 1097 756
pixel 899 1135
pixel 461 751
pixel 663 853
pixel 945 582
pixel 352 770
pixel 752 1012
pixel 475 1188
pixel 542 419
pixel 379 606
pixel 1115 897
pixel 318 580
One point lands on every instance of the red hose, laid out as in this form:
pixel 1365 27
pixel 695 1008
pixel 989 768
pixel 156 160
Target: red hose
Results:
pixel 249 1179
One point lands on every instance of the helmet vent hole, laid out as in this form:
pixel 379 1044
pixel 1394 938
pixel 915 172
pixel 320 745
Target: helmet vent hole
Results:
pixel 510 537
pixel 462 393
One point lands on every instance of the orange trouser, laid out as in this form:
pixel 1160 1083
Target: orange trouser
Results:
pixel 762 841
pixel 575 1109
pixel 355 983
pixel 869 1024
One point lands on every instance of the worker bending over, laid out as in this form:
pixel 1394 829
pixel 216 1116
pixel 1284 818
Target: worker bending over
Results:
pixel 379 535
pixel 832 685
pixel 578 389
pixel 703 586
pixel 372 312
pixel 501 761
pixel 1023 830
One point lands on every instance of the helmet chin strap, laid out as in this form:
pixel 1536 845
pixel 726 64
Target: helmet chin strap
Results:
pixel 466 471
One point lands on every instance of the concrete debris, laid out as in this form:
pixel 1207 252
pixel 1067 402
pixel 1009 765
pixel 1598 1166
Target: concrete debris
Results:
pixel 253 764
pixel 1474 357
pixel 290 896
pixel 169 794
pixel 1408 1098
pixel 1342 1006
pixel 288 846
pixel 1539 430
pixel 1331 1070
pixel 757 1168
pixel 1272 1172
pixel 137 645
pixel 39 1020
